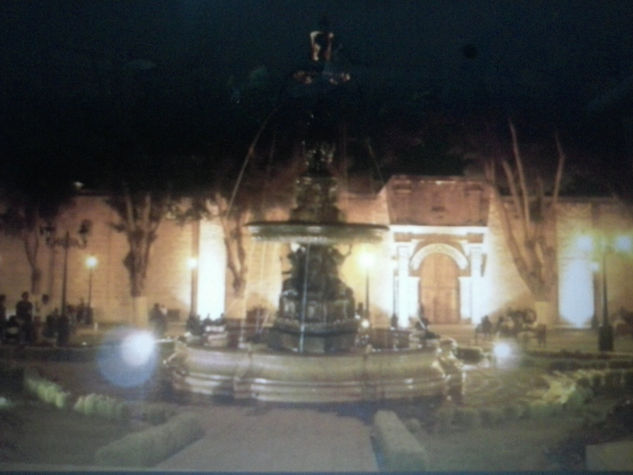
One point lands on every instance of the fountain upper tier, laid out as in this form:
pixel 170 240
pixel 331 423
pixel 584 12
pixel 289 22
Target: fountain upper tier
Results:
pixel 316 218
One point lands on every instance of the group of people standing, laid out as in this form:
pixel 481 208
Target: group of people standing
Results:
pixel 33 322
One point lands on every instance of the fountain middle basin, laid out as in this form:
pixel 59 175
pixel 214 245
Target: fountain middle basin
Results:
pixel 266 375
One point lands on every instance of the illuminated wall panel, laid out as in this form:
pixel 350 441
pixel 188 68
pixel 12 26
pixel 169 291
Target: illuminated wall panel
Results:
pixel 576 296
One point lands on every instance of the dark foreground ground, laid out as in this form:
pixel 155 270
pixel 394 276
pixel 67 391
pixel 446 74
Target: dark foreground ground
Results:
pixel 271 438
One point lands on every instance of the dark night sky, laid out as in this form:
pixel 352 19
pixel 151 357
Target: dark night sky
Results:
pixel 74 69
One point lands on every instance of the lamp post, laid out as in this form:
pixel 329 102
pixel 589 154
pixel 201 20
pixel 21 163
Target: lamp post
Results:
pixel 66 242
pixel 91 263
pixel 192 262
pixel 619 244
pixel 605 335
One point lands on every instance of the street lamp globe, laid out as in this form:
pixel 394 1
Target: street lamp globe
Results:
pixel 91 262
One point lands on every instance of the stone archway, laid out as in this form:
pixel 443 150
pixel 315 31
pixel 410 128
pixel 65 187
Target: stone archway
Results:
pixel 443 289
pixel 439 292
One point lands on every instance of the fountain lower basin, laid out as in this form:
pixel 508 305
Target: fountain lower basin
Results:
pixel 265 375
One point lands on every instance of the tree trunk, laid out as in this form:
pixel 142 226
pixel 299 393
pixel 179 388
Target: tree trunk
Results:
pixel 139 311
pixel 545 312
pixel 36 280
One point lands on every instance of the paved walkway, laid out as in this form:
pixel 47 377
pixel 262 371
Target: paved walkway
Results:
pixel 276 440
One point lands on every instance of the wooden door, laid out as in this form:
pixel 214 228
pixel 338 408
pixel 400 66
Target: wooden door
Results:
pixel 438 289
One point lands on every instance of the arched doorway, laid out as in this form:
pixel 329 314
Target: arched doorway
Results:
pixel 439 293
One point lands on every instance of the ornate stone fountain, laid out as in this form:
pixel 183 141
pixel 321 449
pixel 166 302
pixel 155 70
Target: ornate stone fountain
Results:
pixel 311 353
pixel 316 309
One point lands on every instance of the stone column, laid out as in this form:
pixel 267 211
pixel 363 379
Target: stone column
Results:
pixel 476 268
pixel 211 280
pixel 414 296
pixel 403 286
pixel 465 297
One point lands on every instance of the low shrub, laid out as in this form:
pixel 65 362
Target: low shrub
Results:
pixel 147 448
pixel 45 390
pixel 100 405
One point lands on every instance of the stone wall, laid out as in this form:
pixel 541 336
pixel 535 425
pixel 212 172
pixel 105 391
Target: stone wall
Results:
pixel 169 278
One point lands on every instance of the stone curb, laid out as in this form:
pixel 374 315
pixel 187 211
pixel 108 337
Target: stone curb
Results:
pixel 400 450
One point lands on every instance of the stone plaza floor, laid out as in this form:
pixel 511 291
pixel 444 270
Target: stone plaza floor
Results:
pixel 258 437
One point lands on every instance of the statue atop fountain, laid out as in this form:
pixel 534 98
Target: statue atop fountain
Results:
pixel 316 308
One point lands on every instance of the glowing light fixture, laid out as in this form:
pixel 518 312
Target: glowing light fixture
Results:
pixel 91 262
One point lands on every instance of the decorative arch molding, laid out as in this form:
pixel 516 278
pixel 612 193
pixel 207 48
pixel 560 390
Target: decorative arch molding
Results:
pixel 439 248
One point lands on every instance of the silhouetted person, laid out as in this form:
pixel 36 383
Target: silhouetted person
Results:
pixel 193 325
pixel 158 321
pixel 81 312
pixel 24 316
pixel 486 327
pixel 394 321
pixel 12 330
pixel 50 325
pixel 63 330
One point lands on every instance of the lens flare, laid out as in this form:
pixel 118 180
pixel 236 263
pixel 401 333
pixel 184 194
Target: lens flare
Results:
pixel 137 348
pixel 502 351
pixel 127 357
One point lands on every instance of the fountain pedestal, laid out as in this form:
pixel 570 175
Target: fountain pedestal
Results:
pixel 316 309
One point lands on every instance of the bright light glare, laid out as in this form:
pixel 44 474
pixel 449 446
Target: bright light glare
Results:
pixel 192 262
pixel 365 323
pixel 366 259
pixel 502 350
pixel 584 243
pixel 623 244
pixel 91 262
pixel 137 348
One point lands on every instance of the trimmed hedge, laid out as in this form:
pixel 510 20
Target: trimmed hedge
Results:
pixel 100 405
pixel 151 446
pixel 46 391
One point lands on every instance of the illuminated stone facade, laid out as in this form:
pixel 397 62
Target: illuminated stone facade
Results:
pixel 446 251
